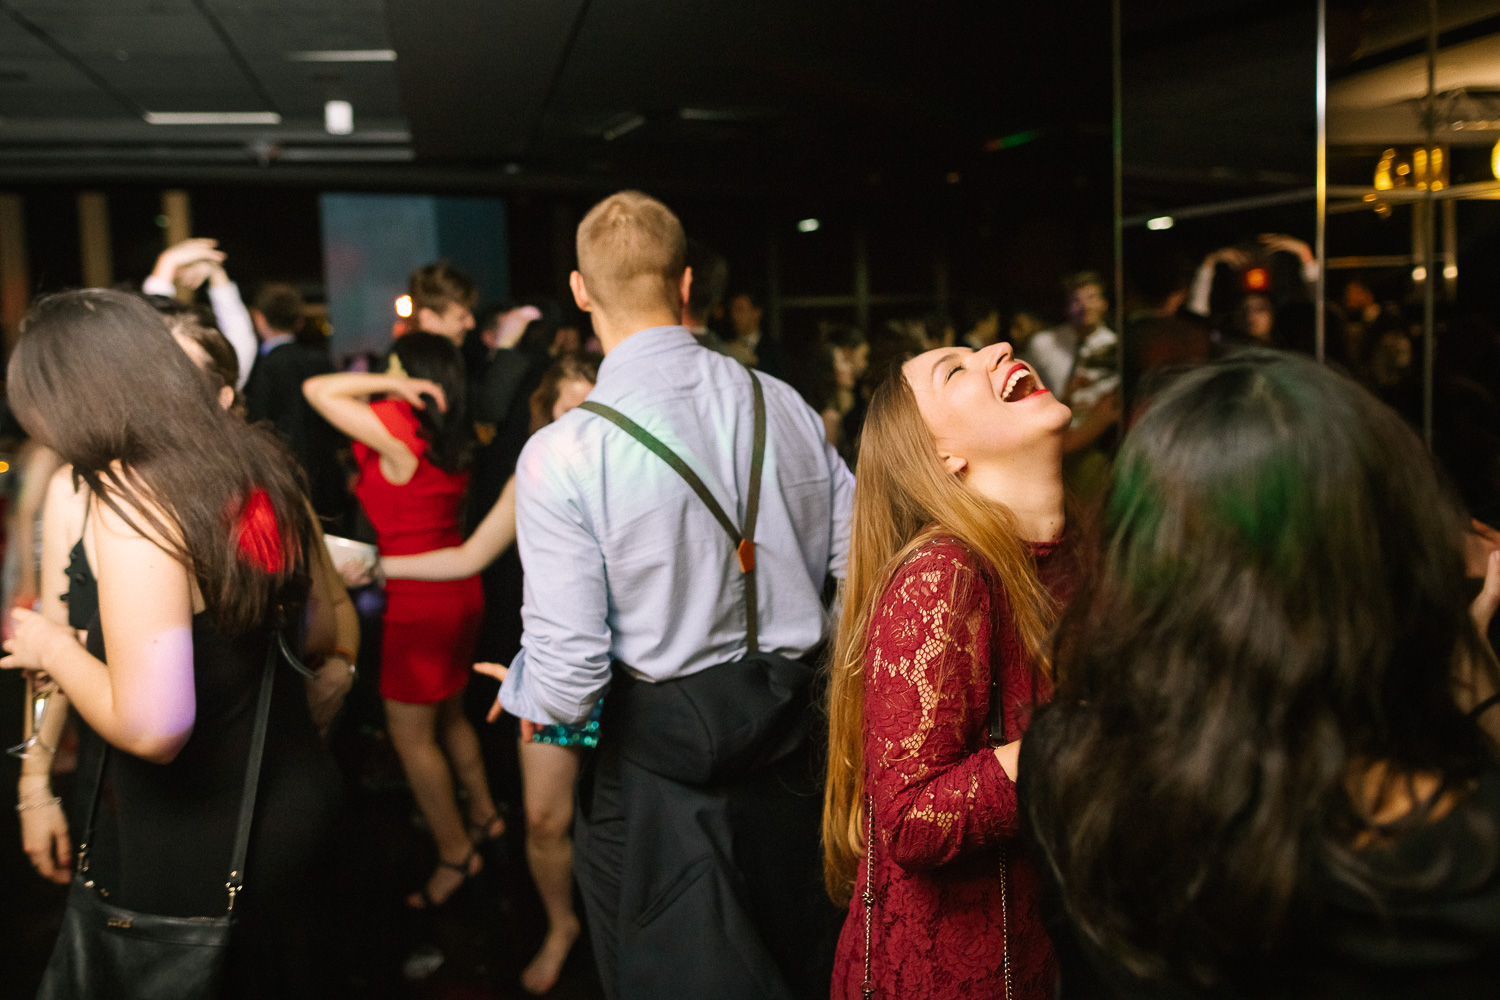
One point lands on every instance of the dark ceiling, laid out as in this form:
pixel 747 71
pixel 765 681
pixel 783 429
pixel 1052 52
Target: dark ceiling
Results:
pixel 759 95
pixel 869 98
pixel 78 77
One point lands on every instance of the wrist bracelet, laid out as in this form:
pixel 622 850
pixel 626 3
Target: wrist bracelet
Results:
pixel 56 800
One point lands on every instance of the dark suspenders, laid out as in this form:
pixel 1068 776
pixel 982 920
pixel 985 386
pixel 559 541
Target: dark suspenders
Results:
pixel 743 539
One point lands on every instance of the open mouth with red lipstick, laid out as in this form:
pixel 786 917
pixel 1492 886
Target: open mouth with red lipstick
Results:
pixel 1020 384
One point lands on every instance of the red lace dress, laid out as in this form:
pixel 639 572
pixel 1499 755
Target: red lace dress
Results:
pixel 944 809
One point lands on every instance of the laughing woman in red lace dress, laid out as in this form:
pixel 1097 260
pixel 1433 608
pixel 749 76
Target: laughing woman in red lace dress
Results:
pixel 954 578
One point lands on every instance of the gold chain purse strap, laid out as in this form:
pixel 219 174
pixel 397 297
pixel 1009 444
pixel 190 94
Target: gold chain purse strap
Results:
pixel 867 988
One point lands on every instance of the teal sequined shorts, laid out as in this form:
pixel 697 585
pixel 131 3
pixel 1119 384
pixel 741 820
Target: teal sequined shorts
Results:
pixel 585 735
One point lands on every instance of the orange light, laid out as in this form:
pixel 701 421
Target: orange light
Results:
pixel 403 306
pixel 1257 280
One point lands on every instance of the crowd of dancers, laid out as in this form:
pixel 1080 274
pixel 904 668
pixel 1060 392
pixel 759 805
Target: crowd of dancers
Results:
pixel 1058 696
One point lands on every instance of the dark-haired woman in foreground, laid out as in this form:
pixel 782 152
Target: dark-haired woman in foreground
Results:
pixel 69 595
pixel 954 572
pixel 1268 769
pixel 201 545
pixel 413 453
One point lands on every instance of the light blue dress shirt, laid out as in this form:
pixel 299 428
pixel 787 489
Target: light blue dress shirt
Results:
pixel 624 562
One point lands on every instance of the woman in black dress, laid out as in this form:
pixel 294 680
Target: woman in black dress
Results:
pixel 202 546
pixel 1270 766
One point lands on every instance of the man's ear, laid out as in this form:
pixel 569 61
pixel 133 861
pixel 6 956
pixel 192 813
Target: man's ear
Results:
pixel 953 463
pixel 261 326
pixel 226 397
pixel 580 292
pixel 426 319
pixel 687 286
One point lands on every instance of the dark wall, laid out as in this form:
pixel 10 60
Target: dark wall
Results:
pixel 1005 226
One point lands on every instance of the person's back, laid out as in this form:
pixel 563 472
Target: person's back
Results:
pixel 634 584
pixel 697 402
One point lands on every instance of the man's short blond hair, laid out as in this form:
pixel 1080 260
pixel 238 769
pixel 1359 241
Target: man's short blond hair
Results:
pixel 631 253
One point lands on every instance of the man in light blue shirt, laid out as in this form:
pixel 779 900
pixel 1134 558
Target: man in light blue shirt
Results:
pixel 630 578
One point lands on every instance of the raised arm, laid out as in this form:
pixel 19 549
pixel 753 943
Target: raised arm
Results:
pixel 234 321
pixel 190 263
pixel 936 796
pixel 343 398
pixel 495 534
pixel 144 702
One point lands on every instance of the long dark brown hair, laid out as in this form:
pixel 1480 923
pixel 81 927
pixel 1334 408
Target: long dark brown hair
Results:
pixel 449 433
pixel 1277 612
pixel 97 376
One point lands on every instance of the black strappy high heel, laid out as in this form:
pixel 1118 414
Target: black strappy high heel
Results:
pixel 464 868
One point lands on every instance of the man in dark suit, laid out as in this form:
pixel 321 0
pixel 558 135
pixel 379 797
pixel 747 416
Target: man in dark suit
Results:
pixel 292 351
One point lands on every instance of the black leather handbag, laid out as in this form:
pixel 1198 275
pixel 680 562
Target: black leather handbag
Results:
pixel 104 952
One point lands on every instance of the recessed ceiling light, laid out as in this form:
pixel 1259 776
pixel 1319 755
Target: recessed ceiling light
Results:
pixel 808 226
pixel 343 55
pixel 212 118
pixel 338 117
pixel 1161 222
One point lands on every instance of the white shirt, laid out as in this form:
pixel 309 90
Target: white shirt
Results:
pixel 624 562
pixel 1053 354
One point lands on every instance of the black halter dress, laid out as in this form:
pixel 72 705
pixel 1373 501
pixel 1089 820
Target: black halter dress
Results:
pixel 163 833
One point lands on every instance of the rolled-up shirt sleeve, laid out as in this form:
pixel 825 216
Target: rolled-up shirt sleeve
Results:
pixel 563 668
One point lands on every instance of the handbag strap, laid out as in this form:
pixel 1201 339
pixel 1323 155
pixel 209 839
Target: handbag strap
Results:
pixel 236 881
pixel 252 772
pixel 743 539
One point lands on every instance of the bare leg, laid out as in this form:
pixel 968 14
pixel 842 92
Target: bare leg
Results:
pixel 413 733
pixel 547 776
pixel 462 747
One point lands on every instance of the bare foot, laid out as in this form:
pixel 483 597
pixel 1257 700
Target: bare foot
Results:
pixel 446 879
pixel 541 975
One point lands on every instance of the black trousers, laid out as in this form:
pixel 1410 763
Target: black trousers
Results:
pixel 695 891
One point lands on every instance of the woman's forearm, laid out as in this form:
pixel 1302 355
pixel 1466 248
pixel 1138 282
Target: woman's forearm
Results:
pixel 495 534
pixel 349 385
pixel 453 563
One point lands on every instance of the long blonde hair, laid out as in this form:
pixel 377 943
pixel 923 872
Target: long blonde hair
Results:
pixel 903 497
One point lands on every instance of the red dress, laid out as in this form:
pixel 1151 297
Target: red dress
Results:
pixel 943 807
pixel 430 626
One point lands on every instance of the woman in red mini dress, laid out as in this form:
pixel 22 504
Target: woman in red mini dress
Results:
pixel 954 579
pixel 412 449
